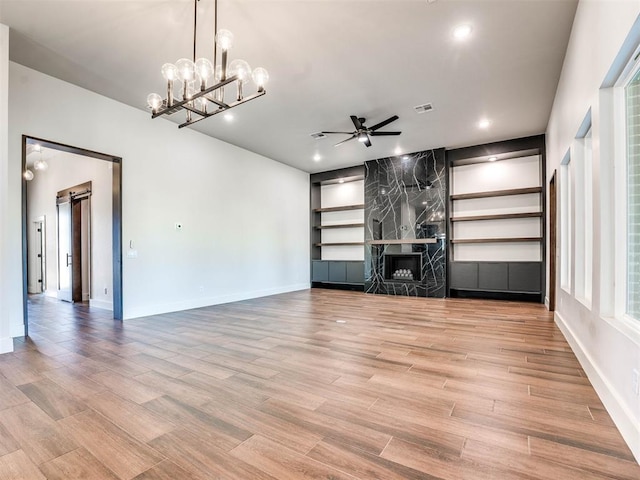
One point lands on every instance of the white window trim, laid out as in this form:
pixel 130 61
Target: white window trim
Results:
pixel 566 224
pixel 623 322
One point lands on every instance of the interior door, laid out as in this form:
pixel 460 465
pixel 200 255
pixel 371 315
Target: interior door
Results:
pixel 65 245
pixel 39 255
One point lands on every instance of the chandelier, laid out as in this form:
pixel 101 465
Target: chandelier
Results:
pixel 202 82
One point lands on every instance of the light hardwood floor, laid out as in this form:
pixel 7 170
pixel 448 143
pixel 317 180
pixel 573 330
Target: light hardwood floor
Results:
pixel 318 384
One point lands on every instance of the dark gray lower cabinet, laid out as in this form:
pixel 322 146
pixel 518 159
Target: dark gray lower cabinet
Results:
pixel 525 277
pixel 355 272
pixel 493 276
pixel 464 275
pixel 337 271
pixel 319 271
pixel 507 277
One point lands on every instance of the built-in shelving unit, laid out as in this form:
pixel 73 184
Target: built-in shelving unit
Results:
pixel 503 216
pixel 496 245
pixel 497 240
pixel 341 208
pixel 342 225
pixel 337 228
pixel 338 244
pixel 407 241
pixel 496 193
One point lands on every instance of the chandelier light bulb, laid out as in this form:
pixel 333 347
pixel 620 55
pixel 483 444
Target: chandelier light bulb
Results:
pixel 260 77
pixel 362 137
pixel 204 68
pixel 28 175
pixel 40 165
pixel 241 69
pixel 169 72
pixel 224 39
pixel 37 147
pixel 186 69
pixel 154 101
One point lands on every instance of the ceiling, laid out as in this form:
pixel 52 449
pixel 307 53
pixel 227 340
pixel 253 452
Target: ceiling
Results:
pixel 327 59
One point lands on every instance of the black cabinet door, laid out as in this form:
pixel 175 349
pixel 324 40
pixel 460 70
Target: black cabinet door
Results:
pixel 337 271
pixel 319 271
pixel 355 272
pixel 525 277
pixel 493 276
pixel 464 275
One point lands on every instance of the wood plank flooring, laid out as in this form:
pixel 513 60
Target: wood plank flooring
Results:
pixel 319 384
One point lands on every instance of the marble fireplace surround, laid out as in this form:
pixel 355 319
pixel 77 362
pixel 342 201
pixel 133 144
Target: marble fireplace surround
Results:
pixel 405 215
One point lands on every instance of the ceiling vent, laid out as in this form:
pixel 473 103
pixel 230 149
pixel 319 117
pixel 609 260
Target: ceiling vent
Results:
pixel 318 135
pixel 427 107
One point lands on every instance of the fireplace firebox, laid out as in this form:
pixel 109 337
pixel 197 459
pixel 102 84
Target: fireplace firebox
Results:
pixel 405 267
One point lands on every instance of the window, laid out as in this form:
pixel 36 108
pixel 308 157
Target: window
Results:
pixel 584 213
pixel 632 97
pixel 566 211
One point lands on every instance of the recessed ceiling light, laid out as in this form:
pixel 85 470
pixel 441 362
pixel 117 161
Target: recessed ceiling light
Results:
pixel 492 159
pixel 228 116
pixel 317 157
pixel 484 123
pixel 341 180
pixel 462 32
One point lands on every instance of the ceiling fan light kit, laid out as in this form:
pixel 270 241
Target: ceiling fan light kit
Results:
pixel 363 133
pixel 197 97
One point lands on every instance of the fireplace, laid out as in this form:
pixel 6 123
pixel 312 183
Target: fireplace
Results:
pixel 403 267
pixel 405 227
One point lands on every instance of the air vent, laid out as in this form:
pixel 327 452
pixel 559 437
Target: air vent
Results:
pixel 318 135
pixel 427 107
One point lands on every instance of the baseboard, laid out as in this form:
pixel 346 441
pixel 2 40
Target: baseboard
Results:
pixel 86 297
pixel 620 414
pixel 546 302
pixel 146 310
pixel 103 304
pixel 6 345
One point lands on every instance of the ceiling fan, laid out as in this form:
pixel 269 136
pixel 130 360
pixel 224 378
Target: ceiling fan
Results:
pixel 362 132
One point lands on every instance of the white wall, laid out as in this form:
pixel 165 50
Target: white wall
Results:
pixel 245 217
pixel 9 308
pixel 607 349
pixel 67 170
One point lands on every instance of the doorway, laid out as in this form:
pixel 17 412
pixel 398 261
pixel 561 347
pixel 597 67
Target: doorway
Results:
pixel 552 241
pixel 81 204
pixel 73 211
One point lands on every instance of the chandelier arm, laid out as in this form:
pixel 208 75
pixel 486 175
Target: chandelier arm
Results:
pixel 232 105
pixel 170 109
pixel 220 104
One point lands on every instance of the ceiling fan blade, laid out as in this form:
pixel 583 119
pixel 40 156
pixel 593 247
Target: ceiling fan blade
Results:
pixel 379 134
pixel 386 122
pixel 367 142
pixel 342 133
pixel 343 141
pixel 356 122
